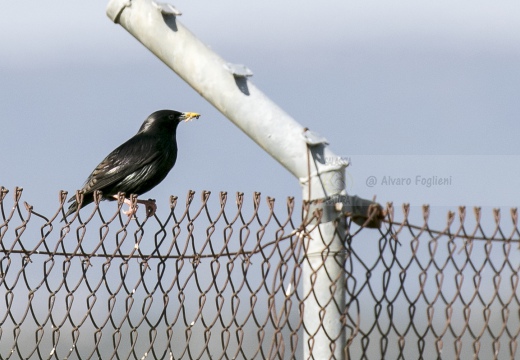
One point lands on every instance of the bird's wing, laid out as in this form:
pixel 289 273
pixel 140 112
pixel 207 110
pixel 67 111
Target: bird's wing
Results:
pixel 128 158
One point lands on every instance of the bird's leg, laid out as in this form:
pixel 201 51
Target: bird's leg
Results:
pixel 151 207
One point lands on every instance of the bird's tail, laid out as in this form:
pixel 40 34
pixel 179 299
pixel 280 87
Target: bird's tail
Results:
pixel 73 207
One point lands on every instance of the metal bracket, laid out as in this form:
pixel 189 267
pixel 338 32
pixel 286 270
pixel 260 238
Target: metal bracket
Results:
pixel 166 9
pixel 238 70
pixel 312 138
pixel 363 212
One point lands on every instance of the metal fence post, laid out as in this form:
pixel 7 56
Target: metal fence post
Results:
pixel 323 272
pixel 227 87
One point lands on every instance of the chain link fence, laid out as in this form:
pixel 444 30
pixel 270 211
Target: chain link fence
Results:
pixel 220 277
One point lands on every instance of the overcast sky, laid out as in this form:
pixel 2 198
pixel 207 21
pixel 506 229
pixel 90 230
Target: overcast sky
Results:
pixel 420 96
pixel 410 90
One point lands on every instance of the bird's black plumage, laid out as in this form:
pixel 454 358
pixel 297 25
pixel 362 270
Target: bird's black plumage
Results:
pixel 140 163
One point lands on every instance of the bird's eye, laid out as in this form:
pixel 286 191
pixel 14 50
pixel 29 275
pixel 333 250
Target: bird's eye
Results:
pixel 171 117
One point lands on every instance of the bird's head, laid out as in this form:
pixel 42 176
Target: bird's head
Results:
pixel 165 120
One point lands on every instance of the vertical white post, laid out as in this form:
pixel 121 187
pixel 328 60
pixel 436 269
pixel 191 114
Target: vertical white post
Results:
pixel 323 269
pixel 323 285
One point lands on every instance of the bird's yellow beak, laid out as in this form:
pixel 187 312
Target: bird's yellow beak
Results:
pixel 190 116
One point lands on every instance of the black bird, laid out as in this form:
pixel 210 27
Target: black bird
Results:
pixel 139 164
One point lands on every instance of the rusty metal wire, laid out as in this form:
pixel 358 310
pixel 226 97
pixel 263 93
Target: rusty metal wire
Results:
pixel 220 278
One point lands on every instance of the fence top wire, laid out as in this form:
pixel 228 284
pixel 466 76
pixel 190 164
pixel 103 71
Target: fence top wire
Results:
pixel 226 214
pixel 461 229
pixel 23 212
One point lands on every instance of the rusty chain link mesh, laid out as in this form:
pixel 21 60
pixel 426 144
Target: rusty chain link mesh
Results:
pixel 220 277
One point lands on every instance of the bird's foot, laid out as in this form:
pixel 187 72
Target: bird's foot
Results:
pixel 131 209
pixel 150 205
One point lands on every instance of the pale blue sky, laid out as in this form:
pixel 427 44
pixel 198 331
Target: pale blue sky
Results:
pixel 392 81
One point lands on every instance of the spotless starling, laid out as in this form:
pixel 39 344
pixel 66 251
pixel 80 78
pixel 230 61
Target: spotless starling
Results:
pixel 139 164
